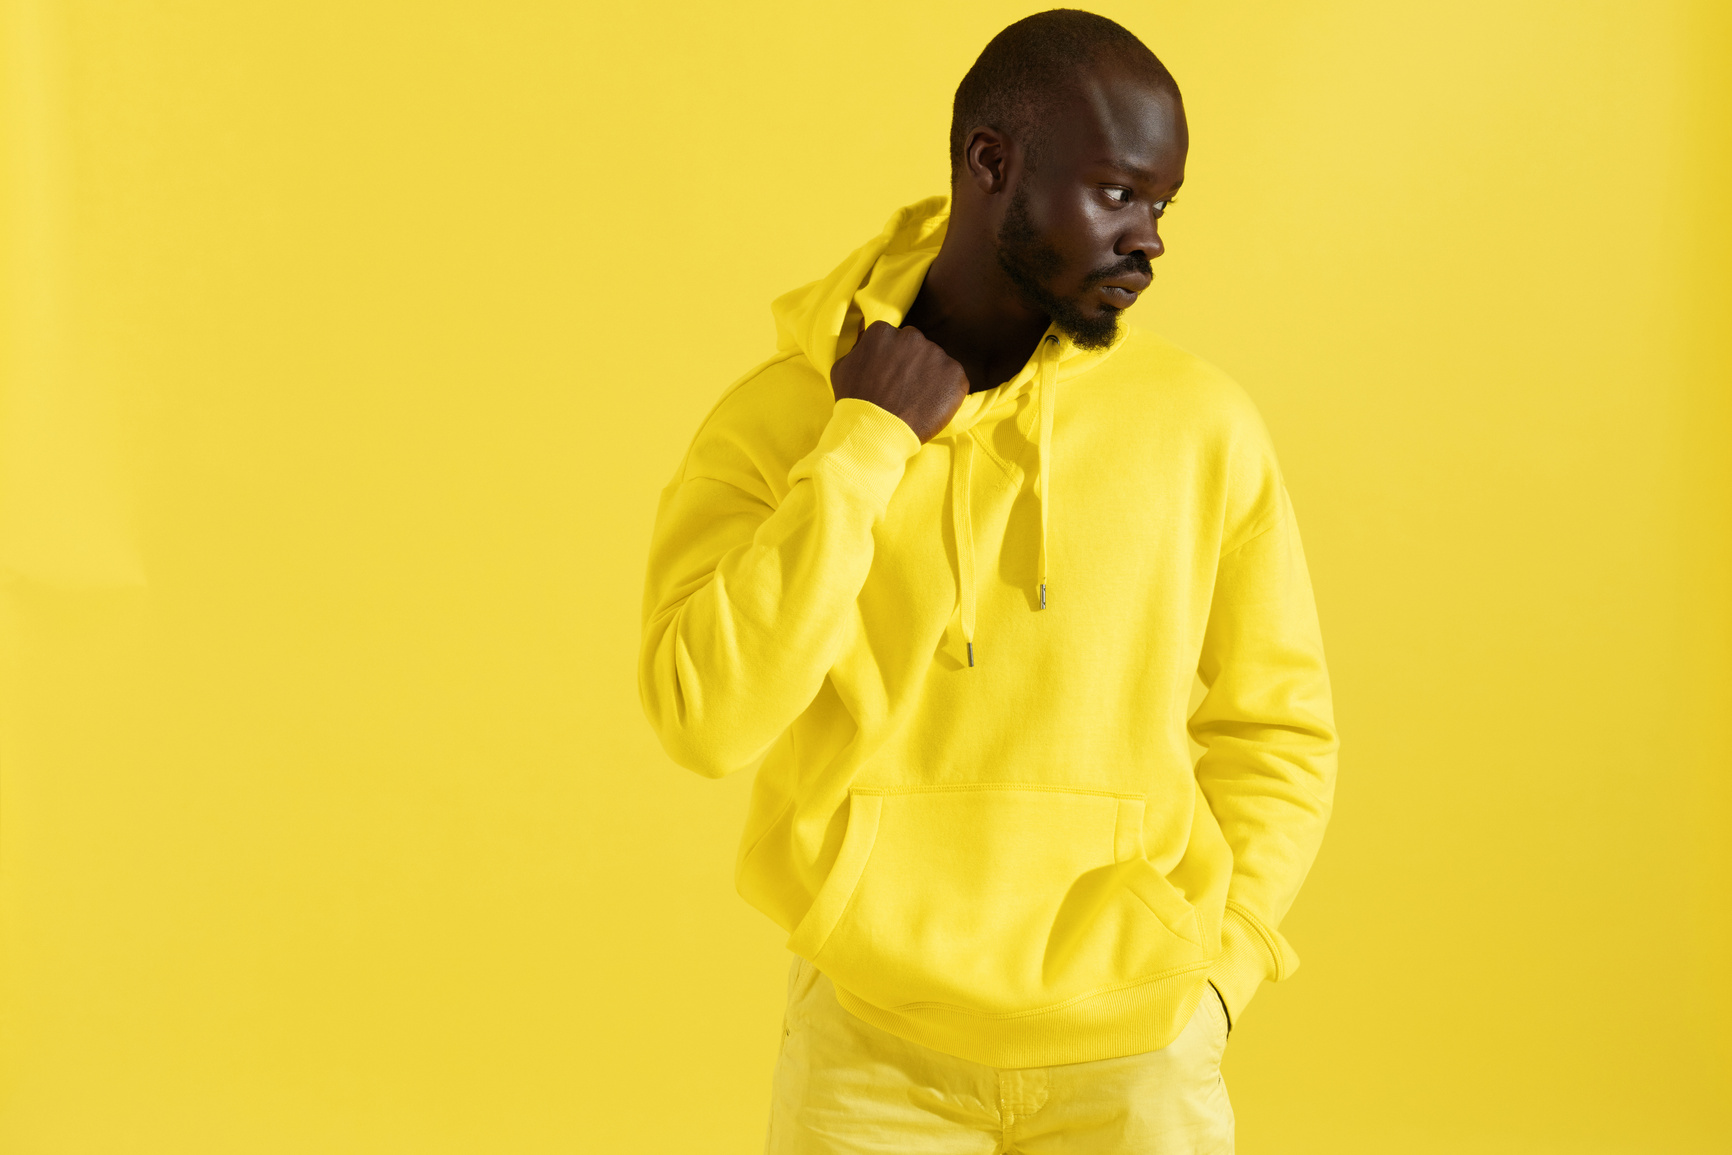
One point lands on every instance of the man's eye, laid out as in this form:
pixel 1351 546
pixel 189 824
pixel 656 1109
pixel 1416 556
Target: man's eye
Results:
pixel 1119 195
pixel 1161 206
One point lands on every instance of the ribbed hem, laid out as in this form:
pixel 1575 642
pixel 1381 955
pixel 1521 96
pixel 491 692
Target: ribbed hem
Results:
pixel 866 445
pixel 1250 953
pixel 1128 1021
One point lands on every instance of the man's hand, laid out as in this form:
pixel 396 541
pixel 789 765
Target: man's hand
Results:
pixel 900 370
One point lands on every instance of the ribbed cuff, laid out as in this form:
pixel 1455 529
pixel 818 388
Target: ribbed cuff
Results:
pixel 864 443
pixel 1250 953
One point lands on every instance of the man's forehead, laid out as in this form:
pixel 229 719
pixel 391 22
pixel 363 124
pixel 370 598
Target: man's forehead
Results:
pixel 1119 119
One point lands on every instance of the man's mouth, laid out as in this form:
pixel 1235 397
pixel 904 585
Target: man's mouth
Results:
pixel 1119 286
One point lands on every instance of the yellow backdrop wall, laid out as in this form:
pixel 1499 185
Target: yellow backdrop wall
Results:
pixel 346 346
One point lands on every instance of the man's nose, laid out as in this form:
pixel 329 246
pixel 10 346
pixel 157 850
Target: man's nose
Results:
pixel 1144 238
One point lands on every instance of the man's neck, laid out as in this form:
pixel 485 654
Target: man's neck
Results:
pixel 968 307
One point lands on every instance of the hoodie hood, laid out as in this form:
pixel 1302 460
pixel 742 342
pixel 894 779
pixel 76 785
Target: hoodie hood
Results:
pixel 878 282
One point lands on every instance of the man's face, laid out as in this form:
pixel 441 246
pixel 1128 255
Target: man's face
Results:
pixel 1081 226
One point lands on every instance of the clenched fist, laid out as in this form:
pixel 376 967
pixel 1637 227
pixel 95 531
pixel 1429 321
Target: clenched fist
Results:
pixel 900 370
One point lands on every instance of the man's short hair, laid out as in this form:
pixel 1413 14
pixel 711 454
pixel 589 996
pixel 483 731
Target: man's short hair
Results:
pixel 1023 72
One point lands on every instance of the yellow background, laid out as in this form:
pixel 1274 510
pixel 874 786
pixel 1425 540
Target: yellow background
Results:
pixel 346 346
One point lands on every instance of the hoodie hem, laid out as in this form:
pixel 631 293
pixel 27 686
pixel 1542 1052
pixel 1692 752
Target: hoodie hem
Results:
pixel 1126 1020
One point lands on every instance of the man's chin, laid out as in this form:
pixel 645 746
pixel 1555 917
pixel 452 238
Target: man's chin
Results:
pixel 1095 330
pixel 1089 322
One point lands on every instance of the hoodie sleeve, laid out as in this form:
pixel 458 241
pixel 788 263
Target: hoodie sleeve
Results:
pixel 748 602
pixel 1268 732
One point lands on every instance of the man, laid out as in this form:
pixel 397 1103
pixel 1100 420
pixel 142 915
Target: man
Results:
pixel 946 568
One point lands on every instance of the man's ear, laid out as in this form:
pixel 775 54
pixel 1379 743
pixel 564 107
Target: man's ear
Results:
pixel 988 157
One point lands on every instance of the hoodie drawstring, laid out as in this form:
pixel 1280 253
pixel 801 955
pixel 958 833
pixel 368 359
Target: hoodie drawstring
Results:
pixel 1045 397
pixel 961 486
pixel 961 495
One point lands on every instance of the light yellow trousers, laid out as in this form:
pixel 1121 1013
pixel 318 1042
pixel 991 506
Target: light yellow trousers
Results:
pixel 845 1086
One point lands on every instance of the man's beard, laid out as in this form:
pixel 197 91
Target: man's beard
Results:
pixel 1029 260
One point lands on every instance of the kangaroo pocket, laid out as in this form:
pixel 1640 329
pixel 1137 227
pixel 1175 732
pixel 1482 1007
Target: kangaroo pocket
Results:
pixel 996 900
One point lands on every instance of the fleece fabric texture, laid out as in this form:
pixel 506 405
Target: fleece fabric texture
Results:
pixel 962 671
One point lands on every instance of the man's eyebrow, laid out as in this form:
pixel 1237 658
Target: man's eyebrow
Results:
pixel 1137 171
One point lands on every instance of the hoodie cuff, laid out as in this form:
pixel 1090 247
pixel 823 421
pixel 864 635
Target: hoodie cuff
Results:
pixel 865 444
pixel 1250 953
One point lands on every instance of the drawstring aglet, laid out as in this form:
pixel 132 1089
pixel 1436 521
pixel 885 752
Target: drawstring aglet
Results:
pixel 1043 595
pixel 971 653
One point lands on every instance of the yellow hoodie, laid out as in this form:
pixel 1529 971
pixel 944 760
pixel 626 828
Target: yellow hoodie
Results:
pixel 963 668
